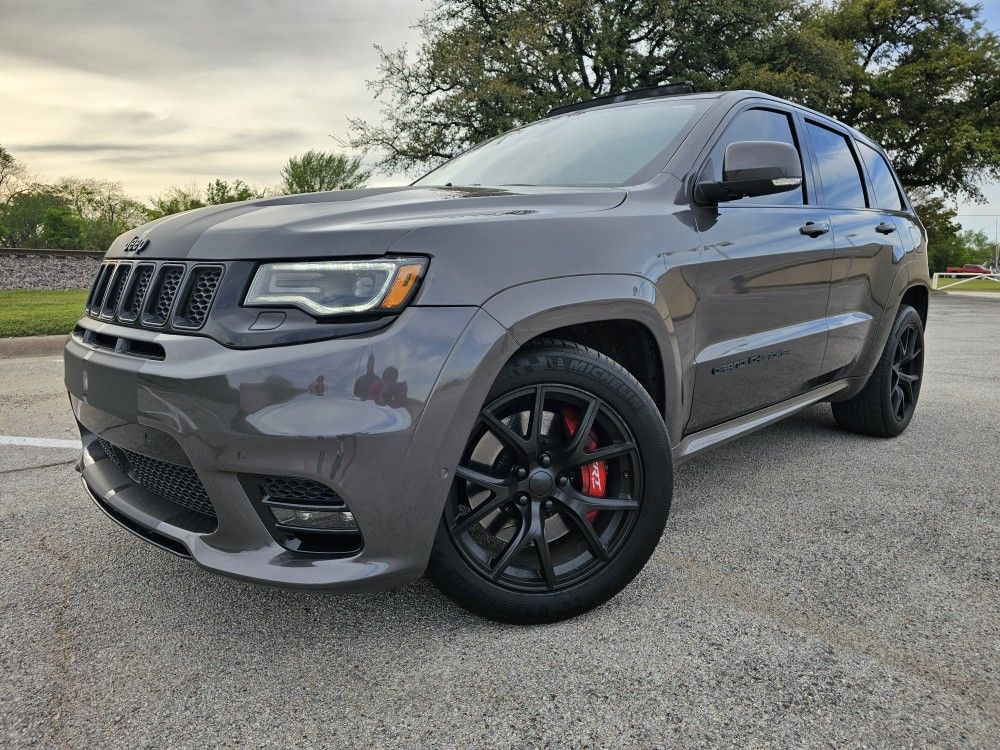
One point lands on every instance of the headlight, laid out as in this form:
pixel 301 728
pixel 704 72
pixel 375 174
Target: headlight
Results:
pixel 340 287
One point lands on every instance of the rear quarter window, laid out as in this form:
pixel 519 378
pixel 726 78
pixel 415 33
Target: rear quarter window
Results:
pixel 883 183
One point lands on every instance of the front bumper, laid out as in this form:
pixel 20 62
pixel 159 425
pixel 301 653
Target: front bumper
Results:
pixel 380 419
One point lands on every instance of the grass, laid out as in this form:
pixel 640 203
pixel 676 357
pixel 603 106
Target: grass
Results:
pixel 975 285
pixel 31 312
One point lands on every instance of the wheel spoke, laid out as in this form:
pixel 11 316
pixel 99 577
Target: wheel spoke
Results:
pixel 504 433
pixel 517 543
pixel 545 557
pixel 496 485
pixel 585 503
pixel 575 449
pixel 897 400
pixel 906 383
pixel 576 513
pixel 467 520
pixel 603 453
pixel 532 443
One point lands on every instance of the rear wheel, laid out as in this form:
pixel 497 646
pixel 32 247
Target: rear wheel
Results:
pixel 562 491
pixel 885 406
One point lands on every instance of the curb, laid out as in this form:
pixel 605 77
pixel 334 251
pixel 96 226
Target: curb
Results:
pixel 32 346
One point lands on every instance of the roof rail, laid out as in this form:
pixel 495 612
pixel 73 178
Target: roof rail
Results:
pixel 667 89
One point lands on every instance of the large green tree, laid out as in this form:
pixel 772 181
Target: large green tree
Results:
pixel 314 171
pixel 920 76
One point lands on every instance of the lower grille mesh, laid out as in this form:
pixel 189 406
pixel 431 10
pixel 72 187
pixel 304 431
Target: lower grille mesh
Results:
pixel 178 484
pixel 299 491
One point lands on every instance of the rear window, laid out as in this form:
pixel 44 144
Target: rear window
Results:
pixel 838 170
pixel 883 183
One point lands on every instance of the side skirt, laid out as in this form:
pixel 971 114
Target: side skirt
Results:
pixel 735 428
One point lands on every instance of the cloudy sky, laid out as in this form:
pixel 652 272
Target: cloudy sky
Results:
pixel 153 93
pixel 159 92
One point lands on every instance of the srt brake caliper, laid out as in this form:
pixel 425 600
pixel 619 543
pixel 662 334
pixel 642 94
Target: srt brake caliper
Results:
pixel 593 476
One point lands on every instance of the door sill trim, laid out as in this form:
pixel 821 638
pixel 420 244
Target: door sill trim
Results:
pixel 696 442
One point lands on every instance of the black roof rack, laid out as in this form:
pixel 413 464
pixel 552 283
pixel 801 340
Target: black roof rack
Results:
pixel 667 89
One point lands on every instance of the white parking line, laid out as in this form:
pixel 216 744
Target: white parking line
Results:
pixel 39 442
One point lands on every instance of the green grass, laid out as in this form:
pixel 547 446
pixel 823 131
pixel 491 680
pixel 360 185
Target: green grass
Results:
pixel 975 285
pixel 32 312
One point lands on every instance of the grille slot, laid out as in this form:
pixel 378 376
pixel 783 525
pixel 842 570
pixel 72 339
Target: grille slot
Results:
pixel 138 284
pixel 294 491
pixel 96 298
pixel 197 298
pixel 115 289
pixel 178 484
pixel 162 295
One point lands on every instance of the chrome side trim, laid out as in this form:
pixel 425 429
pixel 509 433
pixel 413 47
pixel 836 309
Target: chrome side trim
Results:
pixel 735 428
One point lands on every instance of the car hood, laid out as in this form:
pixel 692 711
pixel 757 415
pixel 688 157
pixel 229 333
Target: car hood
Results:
pixel 346 223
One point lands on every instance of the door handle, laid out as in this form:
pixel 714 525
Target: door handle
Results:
pixel 885 228
pixel 812 229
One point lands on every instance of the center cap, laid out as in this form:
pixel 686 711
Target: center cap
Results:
pixel 540 482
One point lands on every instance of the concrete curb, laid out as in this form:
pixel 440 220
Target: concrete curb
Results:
pixel 31 346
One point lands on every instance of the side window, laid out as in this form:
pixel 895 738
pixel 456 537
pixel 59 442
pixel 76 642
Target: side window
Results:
pixel 756 125
pixel 883 183
pixel 838 169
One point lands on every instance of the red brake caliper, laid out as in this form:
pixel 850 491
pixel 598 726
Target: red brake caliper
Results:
pixel 593 476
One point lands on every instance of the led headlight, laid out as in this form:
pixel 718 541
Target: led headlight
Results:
pixel 340 287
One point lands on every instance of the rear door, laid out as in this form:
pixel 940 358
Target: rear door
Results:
pixel 762 286
pixel 868 243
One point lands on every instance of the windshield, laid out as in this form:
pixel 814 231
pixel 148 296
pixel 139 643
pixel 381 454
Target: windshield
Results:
pixel 606 146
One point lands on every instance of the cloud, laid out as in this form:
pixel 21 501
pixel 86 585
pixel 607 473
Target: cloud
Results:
pixel 151 93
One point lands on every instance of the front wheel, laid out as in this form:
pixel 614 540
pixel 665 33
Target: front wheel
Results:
pixel 562 492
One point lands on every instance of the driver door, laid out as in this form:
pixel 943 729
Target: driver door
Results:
pixel 762 286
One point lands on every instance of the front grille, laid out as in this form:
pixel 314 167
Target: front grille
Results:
pixel 178 484
pixel 150 294
pixel 298 492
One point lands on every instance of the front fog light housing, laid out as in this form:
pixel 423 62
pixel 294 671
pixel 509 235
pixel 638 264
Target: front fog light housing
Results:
pixel 345 287
pixel 315 520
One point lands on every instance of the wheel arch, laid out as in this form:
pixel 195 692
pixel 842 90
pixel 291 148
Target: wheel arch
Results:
pixel 621 316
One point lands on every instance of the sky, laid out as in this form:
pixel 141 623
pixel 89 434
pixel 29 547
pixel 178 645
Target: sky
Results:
pixel 154 93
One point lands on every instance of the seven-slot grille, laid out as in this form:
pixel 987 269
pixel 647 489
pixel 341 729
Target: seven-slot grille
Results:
pixel 154 294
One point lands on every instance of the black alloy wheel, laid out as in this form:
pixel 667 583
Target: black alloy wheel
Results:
pixel 521 513
pixel 561 493
pixel 907 369
pixel 886 403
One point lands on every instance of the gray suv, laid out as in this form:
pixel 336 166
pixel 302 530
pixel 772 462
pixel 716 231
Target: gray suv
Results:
pixel 488 375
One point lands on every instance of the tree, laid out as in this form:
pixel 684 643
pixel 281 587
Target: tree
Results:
pixel 920 76
pixel 979 247
pixel 103 208
pixel 175 199
pixel 924 81
pixel 944 243
pixel 40 217
pixel 222 191
pixel 12 175
pixel 314 171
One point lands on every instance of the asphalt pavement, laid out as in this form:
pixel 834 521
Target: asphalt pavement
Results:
pixel 812 589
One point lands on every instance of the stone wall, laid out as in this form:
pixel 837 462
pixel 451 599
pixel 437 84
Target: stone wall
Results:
pixel 45 271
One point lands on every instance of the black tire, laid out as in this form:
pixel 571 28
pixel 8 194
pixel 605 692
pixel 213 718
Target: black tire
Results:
pixel 558 570
pixel 885 406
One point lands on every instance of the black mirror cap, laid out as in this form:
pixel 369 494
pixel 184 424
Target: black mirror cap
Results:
pixel 752 168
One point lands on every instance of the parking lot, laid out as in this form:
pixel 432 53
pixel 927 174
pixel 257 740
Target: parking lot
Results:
pixel 813 588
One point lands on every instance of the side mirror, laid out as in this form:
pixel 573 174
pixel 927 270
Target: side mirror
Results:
pixel 752 168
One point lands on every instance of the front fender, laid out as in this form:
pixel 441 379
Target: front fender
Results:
pixel 530 310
